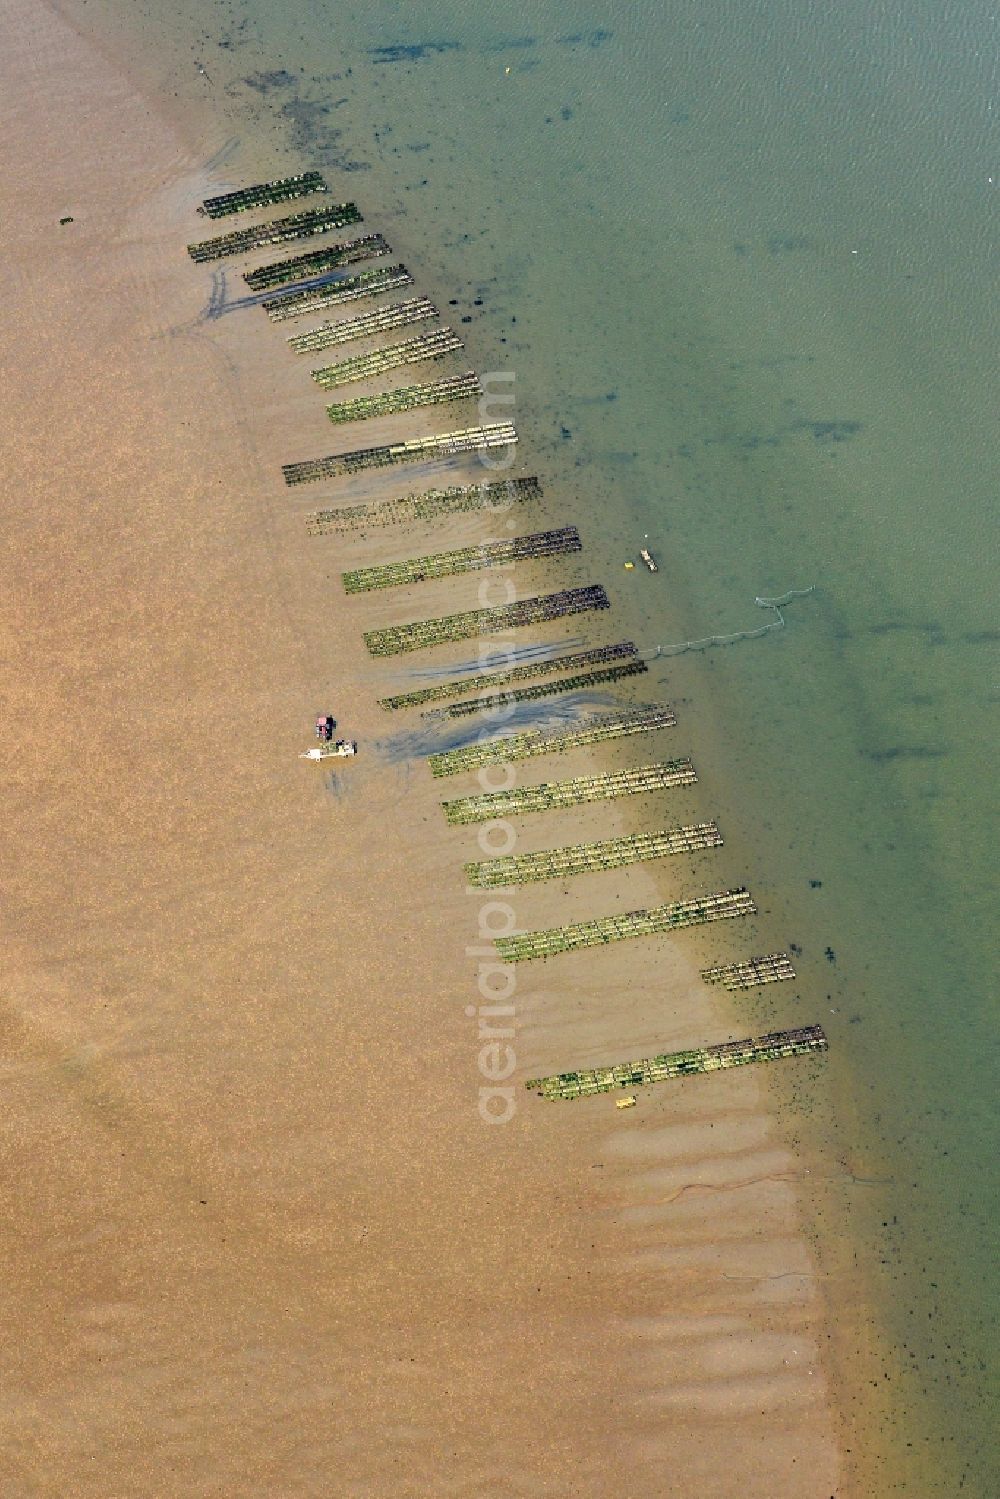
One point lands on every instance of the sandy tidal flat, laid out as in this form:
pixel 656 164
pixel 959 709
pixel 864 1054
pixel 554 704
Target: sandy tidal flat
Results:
pixel 255 1239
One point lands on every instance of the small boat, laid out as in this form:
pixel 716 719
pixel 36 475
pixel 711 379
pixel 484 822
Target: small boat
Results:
pixel 647 557
pixel 340 749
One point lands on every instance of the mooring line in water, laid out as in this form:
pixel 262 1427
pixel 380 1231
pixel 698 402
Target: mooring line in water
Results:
pixel 776 604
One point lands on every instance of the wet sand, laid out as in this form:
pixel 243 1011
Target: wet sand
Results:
pixel 256 1239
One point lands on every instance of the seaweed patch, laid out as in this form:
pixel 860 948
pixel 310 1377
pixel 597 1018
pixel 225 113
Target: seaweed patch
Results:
pixel 829 431
pixel 274 78
pixel 412 52
pixel 905 752
pixel 595 38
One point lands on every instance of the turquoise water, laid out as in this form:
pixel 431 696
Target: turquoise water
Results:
pixel 741 260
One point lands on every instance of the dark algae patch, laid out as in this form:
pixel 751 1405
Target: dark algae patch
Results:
pixel 831 431
pixel 412 51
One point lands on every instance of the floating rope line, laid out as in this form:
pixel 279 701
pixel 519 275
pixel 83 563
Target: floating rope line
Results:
pixel 720 906
pixel 419 350
pixel 276 232
pixel 583 681
pixel 443 445
pixel 264 193
pixel 466 559
pixel 432 503
pixel 775 624
pixel 290 304
pixel 406 398
pixel 500 679
pixel 584 858
pixel 314 262
pixel 427 632
pixel 550 795
pixel 532 742
pixel 364 325
pixel 583 1084
pixel 770 969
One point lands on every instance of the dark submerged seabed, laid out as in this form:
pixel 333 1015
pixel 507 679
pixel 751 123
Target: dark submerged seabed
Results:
pixel 739 258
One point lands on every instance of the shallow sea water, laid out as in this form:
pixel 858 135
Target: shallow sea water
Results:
pixel 741 261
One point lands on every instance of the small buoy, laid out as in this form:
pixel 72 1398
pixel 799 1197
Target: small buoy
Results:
pixel 506 71
pixel 630 567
